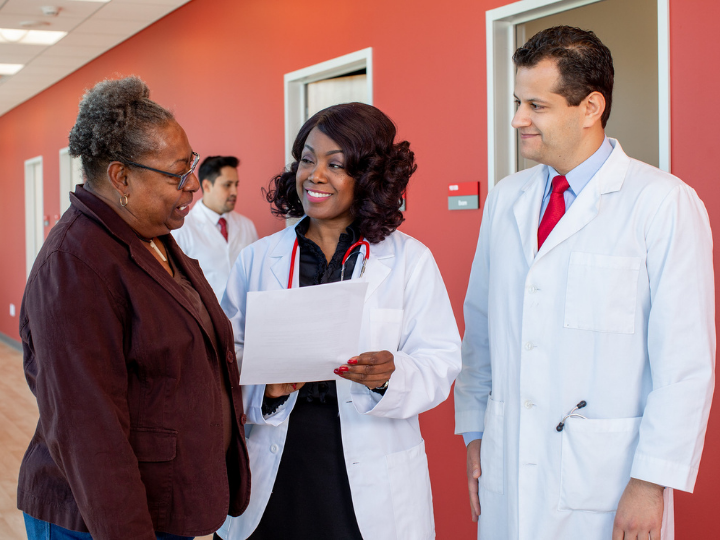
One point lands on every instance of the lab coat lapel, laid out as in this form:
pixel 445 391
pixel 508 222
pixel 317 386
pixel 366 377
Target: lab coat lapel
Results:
pixel 282 255
pixel 376 270
pixel 586 206
pixel 527 212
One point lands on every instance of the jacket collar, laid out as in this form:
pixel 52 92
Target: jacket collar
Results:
pixel 584 209
pixel 98 211
pixel 376 270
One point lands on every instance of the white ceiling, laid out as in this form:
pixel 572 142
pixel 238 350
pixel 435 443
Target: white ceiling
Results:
pixel 93 28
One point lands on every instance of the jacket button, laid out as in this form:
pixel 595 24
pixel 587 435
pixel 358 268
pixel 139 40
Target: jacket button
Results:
pixel 274 448
pixel 529 346
pixel 528 404
pixel 243 419
pixel 230 357
pixel 531 289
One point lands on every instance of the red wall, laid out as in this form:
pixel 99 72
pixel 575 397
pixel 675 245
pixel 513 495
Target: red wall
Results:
pixel 219 65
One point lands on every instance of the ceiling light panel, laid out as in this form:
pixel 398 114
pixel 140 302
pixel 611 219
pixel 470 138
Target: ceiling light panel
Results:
pixel 30 37
pixel 10 69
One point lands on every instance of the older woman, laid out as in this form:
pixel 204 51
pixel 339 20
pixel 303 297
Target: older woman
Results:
pixel 125 346
pixel 344 458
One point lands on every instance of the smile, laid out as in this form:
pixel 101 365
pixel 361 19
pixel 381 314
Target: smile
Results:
pixel 317 195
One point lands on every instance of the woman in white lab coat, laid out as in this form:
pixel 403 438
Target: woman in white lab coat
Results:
pixel 344 458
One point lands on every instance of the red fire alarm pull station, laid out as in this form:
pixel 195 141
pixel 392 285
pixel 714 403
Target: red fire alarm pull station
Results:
pixel 464 196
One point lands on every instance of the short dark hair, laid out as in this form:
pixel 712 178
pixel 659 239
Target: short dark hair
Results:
pixel 584 62
pixel 115 123
pixel 380 167
pixel 211 167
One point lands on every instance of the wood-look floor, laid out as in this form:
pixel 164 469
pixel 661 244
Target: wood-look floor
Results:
pixel 18 418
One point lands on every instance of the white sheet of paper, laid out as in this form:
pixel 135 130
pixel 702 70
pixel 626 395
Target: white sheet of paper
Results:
pixel 301 334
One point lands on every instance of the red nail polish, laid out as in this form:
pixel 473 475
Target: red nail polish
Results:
pixel 343 368
pixel 294 386
pixel 336 370
pixel 352 361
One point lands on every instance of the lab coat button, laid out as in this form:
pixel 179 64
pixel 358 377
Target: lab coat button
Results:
pixel 528 404
pixel 274 448
pixel 531 289
pixel 529 346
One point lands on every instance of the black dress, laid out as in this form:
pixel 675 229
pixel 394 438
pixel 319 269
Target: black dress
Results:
pixel 311 496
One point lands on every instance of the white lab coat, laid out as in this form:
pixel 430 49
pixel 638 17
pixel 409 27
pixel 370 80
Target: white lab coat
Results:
pixel 200 239
pixel 407 312
pixel 616 309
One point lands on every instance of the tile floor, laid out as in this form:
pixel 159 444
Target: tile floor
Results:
pixel 18 418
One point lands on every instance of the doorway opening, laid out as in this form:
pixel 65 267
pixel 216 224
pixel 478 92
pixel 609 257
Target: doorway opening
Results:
pixel 635 31
pixel 70 176
pixel 34 221
pixel 309 90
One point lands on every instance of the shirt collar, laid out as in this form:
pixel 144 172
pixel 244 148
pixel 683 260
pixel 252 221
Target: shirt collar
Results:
pixel 211 214
pixel 583 173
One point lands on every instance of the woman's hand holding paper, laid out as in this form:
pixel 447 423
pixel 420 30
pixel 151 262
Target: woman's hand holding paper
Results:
pixel 372 369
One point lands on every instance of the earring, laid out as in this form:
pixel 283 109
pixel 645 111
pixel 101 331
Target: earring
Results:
pixel 123 204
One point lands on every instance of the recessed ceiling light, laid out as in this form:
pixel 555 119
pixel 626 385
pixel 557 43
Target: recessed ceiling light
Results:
pixel 30 37
pixel 10 69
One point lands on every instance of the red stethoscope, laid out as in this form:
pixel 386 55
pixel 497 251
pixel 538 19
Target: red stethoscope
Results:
pixel 348 254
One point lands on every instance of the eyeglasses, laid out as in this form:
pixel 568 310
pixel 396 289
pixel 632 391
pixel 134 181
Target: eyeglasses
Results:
pixel 183 177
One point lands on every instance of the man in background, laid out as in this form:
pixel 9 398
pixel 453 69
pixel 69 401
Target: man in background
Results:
pixel 214 234
pixel 589 348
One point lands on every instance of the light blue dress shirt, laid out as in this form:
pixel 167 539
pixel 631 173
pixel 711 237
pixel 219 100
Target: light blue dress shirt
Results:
pixel 578 178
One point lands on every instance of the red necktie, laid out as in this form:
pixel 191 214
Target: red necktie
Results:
pixel 223 227
pixel 555 209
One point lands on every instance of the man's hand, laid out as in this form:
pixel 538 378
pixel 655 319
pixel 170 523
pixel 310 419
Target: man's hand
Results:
pixel 283 389
pixel 640 512
pixel 473 473
pixel 373 369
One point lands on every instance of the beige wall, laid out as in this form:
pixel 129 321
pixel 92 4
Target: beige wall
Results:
pixel 629 29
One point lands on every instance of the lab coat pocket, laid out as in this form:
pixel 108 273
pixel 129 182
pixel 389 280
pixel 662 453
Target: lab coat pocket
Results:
pixel 601 293
pixel 597 457
pixel 385 327
pixel 492 447
pixel 411 494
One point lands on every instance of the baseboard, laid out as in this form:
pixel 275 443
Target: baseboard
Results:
pixel 7 340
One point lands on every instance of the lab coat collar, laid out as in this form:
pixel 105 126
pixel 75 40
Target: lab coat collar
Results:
pixel 608 179
pixel 375 271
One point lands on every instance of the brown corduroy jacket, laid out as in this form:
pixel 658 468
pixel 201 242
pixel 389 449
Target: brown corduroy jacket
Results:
pixel 128 383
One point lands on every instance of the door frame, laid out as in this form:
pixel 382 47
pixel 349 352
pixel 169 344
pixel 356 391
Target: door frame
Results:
pixel 295 82
pixel 500 36
pixel 34 208
pixel 70 175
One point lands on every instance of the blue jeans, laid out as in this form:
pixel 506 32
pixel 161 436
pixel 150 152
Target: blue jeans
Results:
pixel 42 530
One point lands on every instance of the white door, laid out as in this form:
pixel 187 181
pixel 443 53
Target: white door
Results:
pixel 34 221
pixel 328 92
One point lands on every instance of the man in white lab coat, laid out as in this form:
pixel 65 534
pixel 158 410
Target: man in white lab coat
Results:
pixel 214 234
pixel 589 349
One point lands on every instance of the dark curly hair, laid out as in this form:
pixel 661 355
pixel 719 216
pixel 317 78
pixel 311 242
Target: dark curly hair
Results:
pixel 584 62
pixel 380 167
pixel 114 123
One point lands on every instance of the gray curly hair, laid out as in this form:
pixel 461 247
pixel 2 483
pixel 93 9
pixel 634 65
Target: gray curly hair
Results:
pixel 114 124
